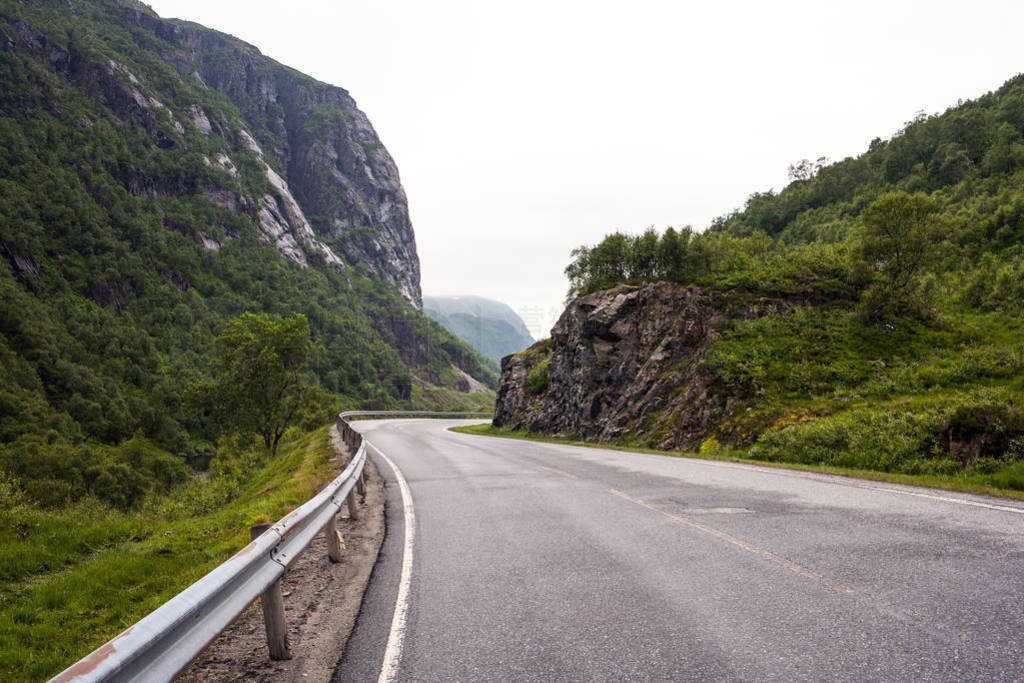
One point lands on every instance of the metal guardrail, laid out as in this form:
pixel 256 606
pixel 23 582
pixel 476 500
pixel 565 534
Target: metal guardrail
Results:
pixel 165 641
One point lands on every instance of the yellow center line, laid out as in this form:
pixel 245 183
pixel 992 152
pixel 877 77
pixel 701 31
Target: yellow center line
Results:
pixel 766 554
pixel 552 469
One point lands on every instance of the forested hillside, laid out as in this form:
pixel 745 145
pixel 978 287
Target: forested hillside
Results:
pixel 158 179
pixel 868 315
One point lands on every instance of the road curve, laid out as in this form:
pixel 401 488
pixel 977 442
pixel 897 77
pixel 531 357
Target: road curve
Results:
pixel 535 561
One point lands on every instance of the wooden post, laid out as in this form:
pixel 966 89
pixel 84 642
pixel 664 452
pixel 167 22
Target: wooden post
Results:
pixel 273 612
pixel 335 543
pixel 361 481
pixel 353 509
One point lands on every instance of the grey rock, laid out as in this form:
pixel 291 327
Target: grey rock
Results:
pixel 198 118
pixel 626 363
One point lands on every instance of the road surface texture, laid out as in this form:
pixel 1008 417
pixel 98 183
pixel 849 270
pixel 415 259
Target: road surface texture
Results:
pixel 535 561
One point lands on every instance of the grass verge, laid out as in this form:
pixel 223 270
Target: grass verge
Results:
pixel 965 483
pixel 70 579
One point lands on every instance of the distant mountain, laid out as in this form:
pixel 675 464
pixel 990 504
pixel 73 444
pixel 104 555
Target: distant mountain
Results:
pixel 491 327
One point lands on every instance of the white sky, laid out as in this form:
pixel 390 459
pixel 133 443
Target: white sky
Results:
pixel 524 129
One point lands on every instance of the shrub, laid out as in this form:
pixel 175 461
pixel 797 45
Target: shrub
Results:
pixel 989 431
pixel 11 492
pixel 116 484
pixel 887 441
pixel 49 493
pixel 1011 477
pixel 537 378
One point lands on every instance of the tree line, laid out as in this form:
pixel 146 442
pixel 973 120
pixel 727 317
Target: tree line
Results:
pixel 879 265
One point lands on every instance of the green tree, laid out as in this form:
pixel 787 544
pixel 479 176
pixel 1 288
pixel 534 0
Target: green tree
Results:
pixel 949 164
pixel 899 235
pixel 643 256
pixel 1006 153
pixel 899 232
pixel 672 253
pixel 600 266
pixel 260 378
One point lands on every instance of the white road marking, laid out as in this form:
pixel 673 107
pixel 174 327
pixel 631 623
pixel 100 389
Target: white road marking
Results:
pixel 393 652
pixel 824 477
pixel 945 499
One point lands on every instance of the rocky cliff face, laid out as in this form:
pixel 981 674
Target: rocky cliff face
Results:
pixel 323 147
pixel 623 364
pixel 326 191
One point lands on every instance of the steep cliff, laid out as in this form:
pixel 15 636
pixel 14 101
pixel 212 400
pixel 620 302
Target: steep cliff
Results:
pixel 323 154
pixel 294 155
pixel 624 363
pixel 157 179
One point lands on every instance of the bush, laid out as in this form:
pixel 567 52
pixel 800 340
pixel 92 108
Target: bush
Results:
pixel 981 436
pixel 984 431
pixel 1011 477
pixel 117 484
pixel 886 441
pixel 11 492
pixel 49 493
pixel 55 474
pixel 537 378
pixel 154 464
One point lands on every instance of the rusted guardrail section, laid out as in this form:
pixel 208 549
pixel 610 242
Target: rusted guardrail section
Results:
pixel 165 641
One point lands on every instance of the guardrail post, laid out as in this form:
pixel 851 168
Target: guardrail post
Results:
pixel 353 504
pixel 361 482
pixel 273 611
pixel 335 543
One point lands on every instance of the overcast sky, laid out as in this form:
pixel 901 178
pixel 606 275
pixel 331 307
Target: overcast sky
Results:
pixel 523 129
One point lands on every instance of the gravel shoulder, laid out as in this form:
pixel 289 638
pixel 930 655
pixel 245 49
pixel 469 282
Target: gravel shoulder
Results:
pixel 321 600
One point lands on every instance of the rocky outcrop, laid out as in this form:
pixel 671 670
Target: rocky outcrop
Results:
pixel 624 364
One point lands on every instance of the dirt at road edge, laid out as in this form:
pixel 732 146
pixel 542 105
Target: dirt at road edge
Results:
pixel 321 602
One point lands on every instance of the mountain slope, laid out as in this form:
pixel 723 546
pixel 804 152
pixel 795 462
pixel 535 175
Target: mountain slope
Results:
pixel 490 327
pixel 158 178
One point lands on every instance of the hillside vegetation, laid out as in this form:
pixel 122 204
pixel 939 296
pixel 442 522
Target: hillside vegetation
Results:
pixel 72 578
pixel 896 285
pixel 142 208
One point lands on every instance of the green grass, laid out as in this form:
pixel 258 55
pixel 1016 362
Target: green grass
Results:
pixel 820 389
pixel 537 378
pixel 1007 483
pixel 73 578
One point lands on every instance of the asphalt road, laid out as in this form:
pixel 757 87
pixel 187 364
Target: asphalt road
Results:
pixel 534 561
